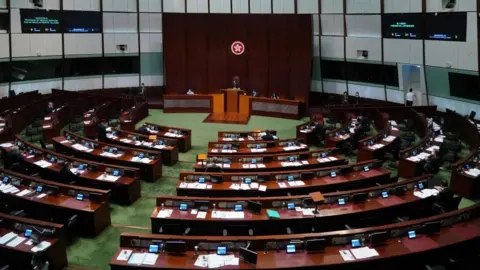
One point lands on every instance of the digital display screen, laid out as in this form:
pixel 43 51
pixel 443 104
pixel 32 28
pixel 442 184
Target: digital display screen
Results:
pixel 40 21
pixel 333 174
pixel 341 201
pixel 292 159
pixel 153 249
pixel 134 138
pixel 39 189
pixel 355 243
pixel 5 179
pixel 402 26
pixel 141 155
pixel 80 197
pixel 290 178
pixel 446 26
pixel 366 168
pixel 225 146
pixel 248 180
pixel 183 207
pixel 411 234
pixel 324 155
pixel 384 194
pixel 291 206
pixel 420 186
pixel 259 146
pixel 254 161
pixel 222 251
pixel 371 142
pixel 81 167
pixel 116 173
pixel 201 180
pixel 290 248
pixel 28 233
pixel 81 21
pixel 238 207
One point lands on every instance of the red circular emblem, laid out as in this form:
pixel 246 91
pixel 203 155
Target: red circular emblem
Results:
pixel 238 48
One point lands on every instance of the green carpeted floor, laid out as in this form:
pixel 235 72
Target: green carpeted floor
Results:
pixel 96 253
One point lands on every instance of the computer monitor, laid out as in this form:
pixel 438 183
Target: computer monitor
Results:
pixel 372 142
pixel 82 167
pixel 201 180
pixel 80 196
pixel 116 173
pixel 52 159
pixel 414 153
pixel 141 155
pixel 291 206
pixel 39 188
pixel 254 161
pixel 341 201
pixel 324 155
pixel 175 247
pixel 421 185
pixel 291 249
pixel 110 150
pixel 356 243
pixel 366 168
pixel 248 255
pixel 28 233
pixel 291 159
pixel 225 146
pixel 333 174
pixel 221 250
pixel 315 245
pixel 432 227
pixel 86 144
pixel 6 179
pixel 359 197
pixel 378 238
pixel 153 249
pixel 337 134
pixel 247 180
pixel 258 146
pixel 238 207
pixel 412 234
pixel 384 194
pixel 254 207
pixel 134 138
pixel 290 178
pixel 183 207
pixel 467 166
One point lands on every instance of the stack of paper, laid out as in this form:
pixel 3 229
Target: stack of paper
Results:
pixel 165 213
pixel 235 186
pixel 7 237
pixel 8 188
pixel 433 148
pixel 376 146
pixel 255 150
pixel 439 138
pixel 16 241
pixel 364 252
pixel 216 261
pixel 389 138
pixel 228 214
pixel 261 166
pixel 282 185
pixel 43 163
pixel 125 140
pixel 24 192
pixel 160 146
pixel 473 172
pixel 124 255
pixel 108 177
pixel 425 193
pixel 6 145
pixel 42 246
pixel 183 185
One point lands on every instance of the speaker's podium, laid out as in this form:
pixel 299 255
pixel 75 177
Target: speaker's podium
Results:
pixel 231 106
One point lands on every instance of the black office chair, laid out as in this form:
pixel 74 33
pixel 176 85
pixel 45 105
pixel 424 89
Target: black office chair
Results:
pixel 42 143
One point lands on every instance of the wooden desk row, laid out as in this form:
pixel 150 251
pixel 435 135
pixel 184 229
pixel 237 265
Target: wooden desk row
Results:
pixel 167 147
pixel 42 199
pixel 280 183
pixel 239 136
pixel 257 147
pixel 125 187
pixel 341 134
pixel 358 208
pixel 131 116
pixel 93 116
pixel 458 235
pixel 256 163
pixel 182 135
pixel 149 162
pixel 21 255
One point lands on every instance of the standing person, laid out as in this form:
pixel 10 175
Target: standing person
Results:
pixel 345 97
pixel 357 98
pixel 49 108
pixel 410 97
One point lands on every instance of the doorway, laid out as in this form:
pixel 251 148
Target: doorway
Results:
pixel 412 76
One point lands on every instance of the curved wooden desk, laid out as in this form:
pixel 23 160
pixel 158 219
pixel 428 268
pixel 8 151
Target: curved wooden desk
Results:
pixel 125 187
pixel 257 147
pixel 93 211
pixel 130 117
pixel 167 147
pixel 187 103
pixel 458 235
pixel 182 135
pixel 349 176
pixel 73 144
pixel 331 215
pixel 239 136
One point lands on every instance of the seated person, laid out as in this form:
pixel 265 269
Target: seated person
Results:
pixel 268 136
pixel 432 164
pixel 102 130
pixel 49 108
pixel 275 96
pixel 143 130
pixel 65 175
pixel 190 92
pixel 254 93
pixel 12 156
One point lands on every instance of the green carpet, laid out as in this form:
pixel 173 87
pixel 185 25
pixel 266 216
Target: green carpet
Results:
pixel 96 253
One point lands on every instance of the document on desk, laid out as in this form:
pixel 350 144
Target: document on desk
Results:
pixel 137 258
pixel 124 255
pixel 305 162
pixel 245 166
pixel 292 183
pixel 16 241
pixel 308 211
pixel 261 166
pixel 253 166
pixel 202 261
pixel 150 259
pixel 282 185
pixel 43 163
pixel 299 183
pixel 347 255
pixel 183 185
pixel 201 186
pixel 24 192
pixel 202 215
pixel 42 246
pixel 254 185
pixel 262 188
pixel 6 145
pixel 226 165
pixel 7 237
pixel 165 213
pixel 245 187
pixel 364 252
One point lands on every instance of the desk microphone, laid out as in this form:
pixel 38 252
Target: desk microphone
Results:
pixel 195 252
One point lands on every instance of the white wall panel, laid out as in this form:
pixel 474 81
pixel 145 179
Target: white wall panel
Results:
pixel 86 83
pixel 150 42
pixel 121 81
pixel 334 87
pixel 315 24
pixel 119 22
pixel 174 6
pixel 307 7
pixel 220 6
pixel 372 45
pixel 4 90
pixel 4 46
pixel 261 6
pixel 460 55
pixel 152 80
pixel 150 5
pixel 83 44
pixel 402 6
pixel 403 51
pixel 461 107
pixel 197 6
pixel 120 5
pixel 3 4
pixel 90 5
pixel 112 40
pixel 283 6
pixel 151 22
pixel 15 24
pixel 25 45
pixel 332 24
pixel 366 91
pixel 332 6
pixel 240 6
pixel 363 6
pixel 364 25
pixel 396 96
pixel 43 87
pixel 316 44
pixel 462 5
pixel 316 86
pixel 332 47
pixel 47 4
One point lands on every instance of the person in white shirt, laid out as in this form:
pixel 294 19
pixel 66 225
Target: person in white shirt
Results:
pixel 254 93
pixel 410 97
pixel 190 92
